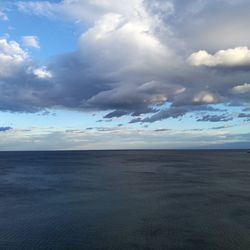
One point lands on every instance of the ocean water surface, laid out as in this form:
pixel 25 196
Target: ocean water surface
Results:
pixel 174 200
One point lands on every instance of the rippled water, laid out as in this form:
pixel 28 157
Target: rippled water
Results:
pixel 174 200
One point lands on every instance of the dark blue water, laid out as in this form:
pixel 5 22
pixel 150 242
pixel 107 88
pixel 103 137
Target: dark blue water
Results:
pixel 174 200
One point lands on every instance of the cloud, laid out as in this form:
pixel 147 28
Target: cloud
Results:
pixel 223 127
pixel 122 138
pixel 241 89
pixel 136 120
pixel 31 41
pixel 47 113
pixel 24 87
pixel 204 97
pixel 237 57
pixel 41 8
pixel 211 25
pixel 3 16
pixel 116 113
pixel 78 11
pixel 161 130
pixel 131 59
pixel 12 56
pixel 177 112
pixel 42 73
pixel 173 112
pixel 4 129
pixel 104 73
pixel 244 115
pixel 215 118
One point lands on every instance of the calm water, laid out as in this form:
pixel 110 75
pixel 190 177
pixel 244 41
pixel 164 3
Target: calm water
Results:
pixel 174 200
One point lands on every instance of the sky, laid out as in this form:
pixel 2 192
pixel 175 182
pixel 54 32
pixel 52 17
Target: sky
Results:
pixel 138 74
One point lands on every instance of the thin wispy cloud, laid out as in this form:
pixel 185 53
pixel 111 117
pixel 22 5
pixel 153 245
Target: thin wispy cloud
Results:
pixel 31 41
pixel 3 16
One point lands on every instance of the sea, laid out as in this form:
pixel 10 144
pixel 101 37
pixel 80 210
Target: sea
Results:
pixel 133 199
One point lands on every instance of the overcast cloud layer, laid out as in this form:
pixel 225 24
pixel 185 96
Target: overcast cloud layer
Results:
pixel 135 58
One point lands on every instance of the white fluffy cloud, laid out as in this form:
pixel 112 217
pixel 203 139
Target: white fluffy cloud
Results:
pixel 241 89
pixel 31 41
pixel 236 57
pixel 204 97
pixel 42 73
pixel 11 57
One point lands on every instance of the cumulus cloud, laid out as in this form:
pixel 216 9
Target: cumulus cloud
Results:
pixel 237 57
pixel 101 74
pixel 211 25
pixel 31 41
pixel 241 89
pixel 24 87
pixel 12 56
pixel 131 59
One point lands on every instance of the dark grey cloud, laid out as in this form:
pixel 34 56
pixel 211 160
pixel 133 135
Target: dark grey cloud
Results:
pixel 136 120
pixel 218 128
pixel 244 115
pixel 246 109
pixel 215 118
pixel 4 129
pixel 167 113
pixel 211 25
pixel 178 112
pixel 116 113
pixel 161 130
pixel 89 128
